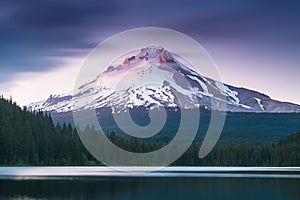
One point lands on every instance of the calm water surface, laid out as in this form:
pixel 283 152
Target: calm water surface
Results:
pixel 170 183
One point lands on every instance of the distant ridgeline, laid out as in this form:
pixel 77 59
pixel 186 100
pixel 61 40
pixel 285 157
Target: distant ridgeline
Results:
pixel 240 128
pixel 31 138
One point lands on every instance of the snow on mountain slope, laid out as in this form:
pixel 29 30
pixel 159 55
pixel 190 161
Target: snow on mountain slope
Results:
pixel 154 78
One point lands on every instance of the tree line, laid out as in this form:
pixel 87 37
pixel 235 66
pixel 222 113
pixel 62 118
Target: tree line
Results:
pixel 285 152
pixel 31 138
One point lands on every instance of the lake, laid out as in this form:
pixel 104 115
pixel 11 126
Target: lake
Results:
pixel 165 183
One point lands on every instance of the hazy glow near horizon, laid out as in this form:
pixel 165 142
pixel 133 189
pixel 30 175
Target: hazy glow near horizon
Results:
pixel 26 88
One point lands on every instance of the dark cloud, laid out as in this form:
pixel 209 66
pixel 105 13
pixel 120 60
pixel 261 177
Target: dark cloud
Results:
pixel 56 14
pixel 258 20
pixel 31 31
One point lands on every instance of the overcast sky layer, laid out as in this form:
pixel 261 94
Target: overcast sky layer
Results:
pixel 255 44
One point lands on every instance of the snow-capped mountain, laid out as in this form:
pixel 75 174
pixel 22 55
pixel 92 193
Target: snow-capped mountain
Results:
pixel 155 78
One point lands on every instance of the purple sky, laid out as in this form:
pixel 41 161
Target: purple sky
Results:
pixel 255 44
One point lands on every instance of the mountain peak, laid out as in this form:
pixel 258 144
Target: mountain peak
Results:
pixel 160 54
pixel 151 51
pixel 151 54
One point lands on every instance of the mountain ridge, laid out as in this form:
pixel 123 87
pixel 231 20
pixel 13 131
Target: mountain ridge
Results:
pixel 155 78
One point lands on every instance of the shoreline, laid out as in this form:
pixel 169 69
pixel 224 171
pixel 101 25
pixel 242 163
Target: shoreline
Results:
pixel 67 172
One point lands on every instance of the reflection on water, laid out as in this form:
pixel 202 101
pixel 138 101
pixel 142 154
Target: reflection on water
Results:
pixel 150 187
